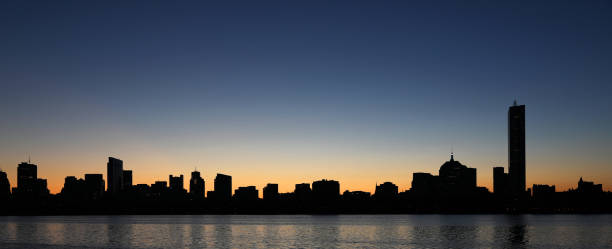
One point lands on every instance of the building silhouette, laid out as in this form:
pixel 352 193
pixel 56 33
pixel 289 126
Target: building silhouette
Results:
pixel 355 196
pixel 500 181
pixel 196 185
pixel 142 191
pixel 586 187
pixel 326 190
pixel 27 185
pixel 223 188
pixel 456 177
pixel 74 189
pixel 249 193
pixel 454 180
pixel 127 180
pixel 42 189
pixel 453 190
pixel 270 192
pixel 94 183
pixel 302 192
pixel 424 183
pixel 516 150
pixel 159 187
pixel 5 186
pixel 543 191
pixel 114 175
pixel 386 191
pixel 176 183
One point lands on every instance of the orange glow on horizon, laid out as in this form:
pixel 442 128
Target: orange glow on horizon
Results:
pixel 364 177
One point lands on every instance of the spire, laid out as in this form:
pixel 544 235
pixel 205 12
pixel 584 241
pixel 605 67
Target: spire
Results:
pixel 515 102
pixel 452 157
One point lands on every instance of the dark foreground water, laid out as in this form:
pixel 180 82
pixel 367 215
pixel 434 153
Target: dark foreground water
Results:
pixel 293 231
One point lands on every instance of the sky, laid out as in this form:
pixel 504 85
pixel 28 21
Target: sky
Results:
pixel 287 92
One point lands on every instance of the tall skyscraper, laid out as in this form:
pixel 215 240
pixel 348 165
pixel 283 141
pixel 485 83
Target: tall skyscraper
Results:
pixel 196 185
pixel 26 179
pixel 223 187
pixel 516 150
pixel 114 169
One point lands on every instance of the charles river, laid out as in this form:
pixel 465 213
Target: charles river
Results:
pixel 308 231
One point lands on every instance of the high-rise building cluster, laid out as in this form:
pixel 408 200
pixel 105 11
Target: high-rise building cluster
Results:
pixel 454 188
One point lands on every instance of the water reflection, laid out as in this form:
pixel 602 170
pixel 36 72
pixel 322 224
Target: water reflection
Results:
pixel 517 236
pixel 361 231
pixel 512 234
pixel 223 235
pixel 118 235
pixel 457 236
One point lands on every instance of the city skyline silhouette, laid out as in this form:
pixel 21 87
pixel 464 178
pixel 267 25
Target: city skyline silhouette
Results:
pixel 454 189
pixel 361 93
pixel 489 185
pixel 305 124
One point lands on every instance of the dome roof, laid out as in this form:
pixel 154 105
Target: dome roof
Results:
pixel 451 165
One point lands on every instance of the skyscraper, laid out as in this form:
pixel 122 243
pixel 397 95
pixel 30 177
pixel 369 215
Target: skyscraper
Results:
pixel 115 175
pixel 223 187
pixel 516 150
pixel 196 185
pixel 26 179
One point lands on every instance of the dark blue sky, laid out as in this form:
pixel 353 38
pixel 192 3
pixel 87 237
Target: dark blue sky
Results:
pixel 401 82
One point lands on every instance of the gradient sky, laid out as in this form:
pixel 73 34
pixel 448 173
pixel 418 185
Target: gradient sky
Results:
pixel 290 91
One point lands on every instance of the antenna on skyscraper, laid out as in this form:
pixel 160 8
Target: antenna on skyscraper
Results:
pixel 514 102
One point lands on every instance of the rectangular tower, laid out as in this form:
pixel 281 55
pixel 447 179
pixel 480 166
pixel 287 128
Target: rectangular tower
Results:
pixel 270 192
pixel 196 185
pixel 516 149
pixel 26 178
pixel 127 179
pixel 500 181
pixel 176 182
pixel 223 187
pixel 94 184
pixel 114 169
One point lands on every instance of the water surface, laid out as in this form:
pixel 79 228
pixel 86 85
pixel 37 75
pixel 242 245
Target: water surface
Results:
pixel 306 231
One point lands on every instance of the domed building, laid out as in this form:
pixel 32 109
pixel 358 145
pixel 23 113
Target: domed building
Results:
pixel 453 177
pixel 456 176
